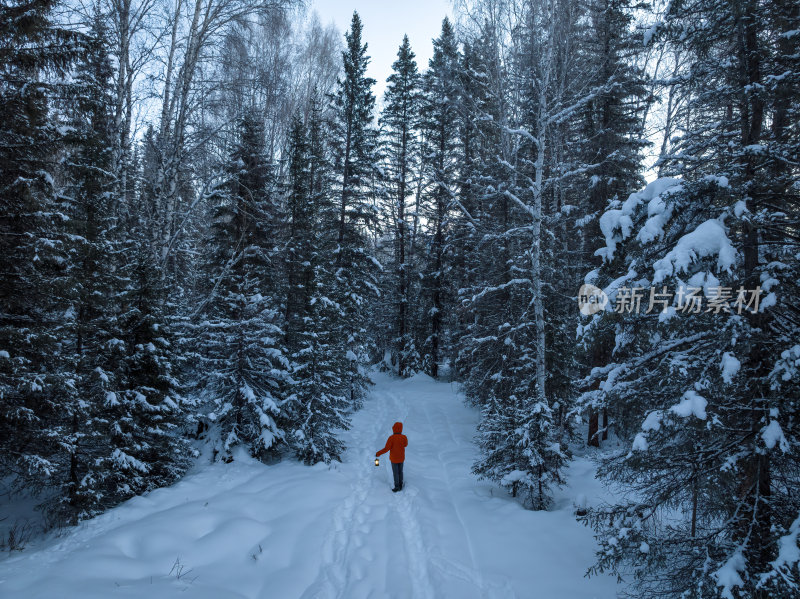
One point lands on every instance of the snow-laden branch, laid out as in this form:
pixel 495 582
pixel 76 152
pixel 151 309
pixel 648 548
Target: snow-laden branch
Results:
pixel 530 211
pixel 511 283
pixel 634 364
pixel 523 132
pixel 569 110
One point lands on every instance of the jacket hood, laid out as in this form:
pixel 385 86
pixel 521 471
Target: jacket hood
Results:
pixel 397 427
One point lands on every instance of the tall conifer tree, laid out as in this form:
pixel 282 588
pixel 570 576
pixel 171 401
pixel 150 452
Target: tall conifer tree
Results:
pixel 245 345
pixel 703 380
pixel 319 399
pixel 35 55
pixel 440 126
pixel 354 144
pixel 400 122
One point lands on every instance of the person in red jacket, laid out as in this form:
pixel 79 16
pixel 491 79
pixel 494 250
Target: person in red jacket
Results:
pixel 396 446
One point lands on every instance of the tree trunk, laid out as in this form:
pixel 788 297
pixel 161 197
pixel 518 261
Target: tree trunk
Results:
pixel 536 230
pixel 401 241
pixel 605 423
pixel 594 438
pixel 754 484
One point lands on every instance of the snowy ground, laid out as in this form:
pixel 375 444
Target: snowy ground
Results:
pixel 245 530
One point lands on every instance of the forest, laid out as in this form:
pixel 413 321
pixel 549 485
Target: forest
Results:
pixel 211 227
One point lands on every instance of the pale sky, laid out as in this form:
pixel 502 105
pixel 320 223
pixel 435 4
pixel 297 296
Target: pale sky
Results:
pixel 385 22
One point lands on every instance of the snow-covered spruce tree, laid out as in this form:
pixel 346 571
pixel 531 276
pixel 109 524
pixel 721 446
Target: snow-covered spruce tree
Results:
pixel 35 55
pixel 482 247
pixel 90 285
pixel 708 392
pixel 401 148
pixel 440 154
pixel 609 144
pixel 246 364
pixel 300 251
pixel 551 91
pixel 146 413
pixel 319 396
pixel 500 459
pixel 464 236
pixel 519 450
pixel 354 146
pixel 480 77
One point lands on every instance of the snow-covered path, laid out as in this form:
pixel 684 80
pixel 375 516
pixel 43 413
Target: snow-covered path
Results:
pixel 245 530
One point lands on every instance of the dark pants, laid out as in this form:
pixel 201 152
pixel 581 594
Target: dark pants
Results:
pixel 397 471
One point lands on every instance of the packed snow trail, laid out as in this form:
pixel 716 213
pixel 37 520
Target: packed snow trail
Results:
pixel 245 530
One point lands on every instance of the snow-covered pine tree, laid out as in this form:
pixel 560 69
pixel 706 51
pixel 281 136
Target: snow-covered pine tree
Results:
pixel 35 55
pixel 482 247
pixel 300 246
pixel 246 365
pixel 318 400
pixel 500 459
pixel 519 450
pixel 609 143
pixel 401 143
pixel 440 154
pixel 90 283
pixel 146 413
pixel 354 144
pixel 477 145
pixel 708 389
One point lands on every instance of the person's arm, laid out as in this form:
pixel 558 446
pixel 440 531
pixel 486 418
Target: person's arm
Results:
pixel 405 441
pixel 385 449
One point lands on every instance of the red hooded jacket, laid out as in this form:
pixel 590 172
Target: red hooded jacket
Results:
pixel 396 445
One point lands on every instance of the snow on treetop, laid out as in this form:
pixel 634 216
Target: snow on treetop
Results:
pixel 720 180
pixel 128 462
pixel 704 279
pixel 658 213
pixel 788 552
pixel 639 443
pixel 708 239
pixel 770 300
pixel 247 392
pixel 651 423
pixel 789 364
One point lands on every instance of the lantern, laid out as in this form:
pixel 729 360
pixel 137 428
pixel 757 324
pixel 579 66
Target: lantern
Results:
pixel 377 462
